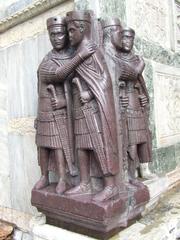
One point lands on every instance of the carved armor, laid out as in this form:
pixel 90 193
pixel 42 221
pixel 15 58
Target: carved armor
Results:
pixel 81 131
pixel 52 126
pixel 47 129
pixel 135 116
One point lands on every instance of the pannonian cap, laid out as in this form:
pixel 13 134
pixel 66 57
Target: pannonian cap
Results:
pixel 129 30
pixel 56 21
pixel 78 16
pixel 109 22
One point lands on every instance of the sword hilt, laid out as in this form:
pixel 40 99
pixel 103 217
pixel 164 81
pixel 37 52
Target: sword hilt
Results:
pixel 77 82
pixel 52 90
pixel 122 86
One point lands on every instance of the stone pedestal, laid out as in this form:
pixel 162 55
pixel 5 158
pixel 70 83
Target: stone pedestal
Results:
pixel 81 214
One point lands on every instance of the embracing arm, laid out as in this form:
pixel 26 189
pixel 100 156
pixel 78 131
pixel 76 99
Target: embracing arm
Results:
pixel 65 70
pixel 59 74
pixel 53 74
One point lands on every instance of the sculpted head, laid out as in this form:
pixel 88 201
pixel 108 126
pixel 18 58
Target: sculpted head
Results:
pixel 127 39
pixel 57 32
pixel 78 25
pixel 111 28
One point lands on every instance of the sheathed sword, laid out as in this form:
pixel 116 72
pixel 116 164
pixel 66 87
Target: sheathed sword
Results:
pixel 123 117
pixel 145 112
pixel 63 133
pixel 92 126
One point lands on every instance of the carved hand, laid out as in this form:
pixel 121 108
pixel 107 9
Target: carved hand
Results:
pixel 85 96
pixel 87 50
pixel 140 66
pixel 57 103
pixel 124 100
pixel 143 100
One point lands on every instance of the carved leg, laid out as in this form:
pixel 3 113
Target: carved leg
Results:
pixel 144 162
pixel 61 166
pixel 43 155
pixel 145 171
pixel 132 159
pixel 84 165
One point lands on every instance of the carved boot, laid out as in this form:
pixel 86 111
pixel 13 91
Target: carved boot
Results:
pixel 110 190
pixel 108 193
pixel 136 182
pixel 42 183
pixel 74 171
pixel 145 171
pixel 82 188
pixel 61 186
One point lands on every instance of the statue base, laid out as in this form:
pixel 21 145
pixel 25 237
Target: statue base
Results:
pixel 79 213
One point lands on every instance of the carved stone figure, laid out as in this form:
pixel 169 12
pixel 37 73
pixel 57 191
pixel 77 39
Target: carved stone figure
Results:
pixel 112 45
pixel 134 101
pixel 78 128
pixel 110 27
pixel 54 131
pixel 93 110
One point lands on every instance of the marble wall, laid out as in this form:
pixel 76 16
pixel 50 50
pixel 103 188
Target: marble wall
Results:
pixel 167 104
pixel 151 19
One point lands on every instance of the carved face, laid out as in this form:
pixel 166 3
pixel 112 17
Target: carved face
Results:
pixel 57 35
pixel 76 34
pixel 127 41
pixel 116 39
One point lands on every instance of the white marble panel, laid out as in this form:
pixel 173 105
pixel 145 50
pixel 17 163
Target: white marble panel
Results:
pixel 20 219
pixel 43 45
pixel 22 82
pixel 23 60
pixel 167 104
pixel 4 162
pixel 5 199
pixel 24 171
pixel 4 166
pixel 29 76
pixel 3 68
pixel 3 123
pixel 150 19
pixel 14 79
pixel 3 99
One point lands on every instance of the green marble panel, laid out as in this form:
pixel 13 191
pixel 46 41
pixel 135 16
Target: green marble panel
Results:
pixel 177 154
pixel 164 160
pixel 156 53
pixel 113 8
pixel 82 5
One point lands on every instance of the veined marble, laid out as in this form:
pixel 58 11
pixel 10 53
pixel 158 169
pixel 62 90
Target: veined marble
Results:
pixel 166 82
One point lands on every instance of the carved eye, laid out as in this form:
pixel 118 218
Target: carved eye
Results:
pixel 55 19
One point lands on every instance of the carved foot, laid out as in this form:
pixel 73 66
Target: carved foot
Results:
pixel 108 193
pixel 131 187
pixel 61 187
pixel 42 183
pixel 82 188
pixel 74 171
pixel 145 171
pixel 148 176
pixel 136 182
